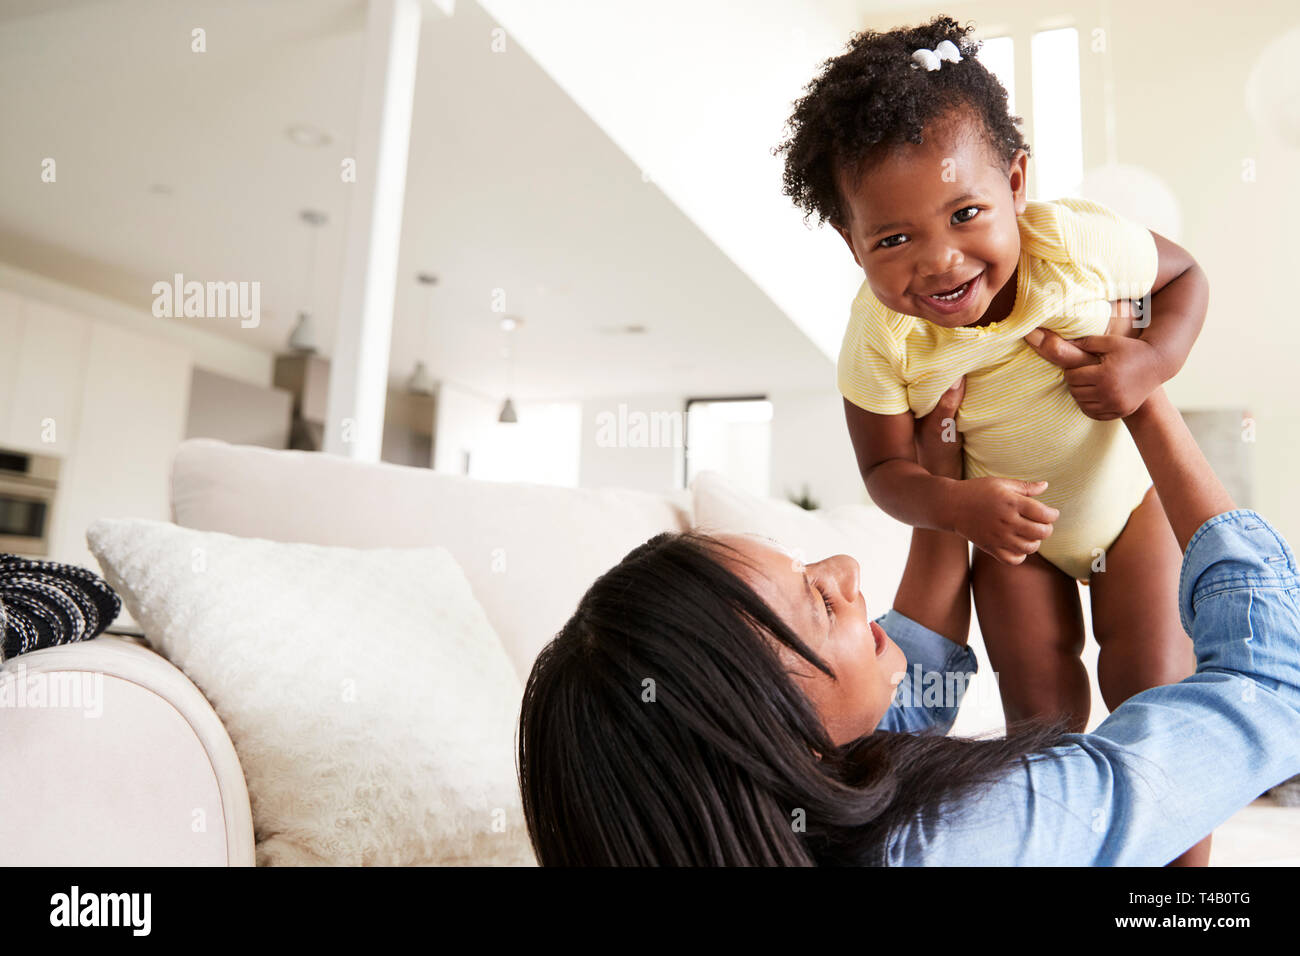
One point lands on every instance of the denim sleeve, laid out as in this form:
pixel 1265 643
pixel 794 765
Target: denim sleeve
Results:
pixel 1171 763
pixel 938 673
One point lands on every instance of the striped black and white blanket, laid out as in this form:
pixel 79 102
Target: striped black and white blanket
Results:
pixel 43 603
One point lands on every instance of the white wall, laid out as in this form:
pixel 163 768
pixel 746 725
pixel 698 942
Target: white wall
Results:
pixel 810 445
pixel 237 412
pixel 616 453
pixel 461 417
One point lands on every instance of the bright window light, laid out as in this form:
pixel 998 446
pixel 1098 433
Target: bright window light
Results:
pixel 542 447
pixel 1058 113
pixel 734 438
pixel 998 54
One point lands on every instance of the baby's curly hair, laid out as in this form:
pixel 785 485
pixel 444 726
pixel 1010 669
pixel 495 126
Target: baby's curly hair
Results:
pixel 869 100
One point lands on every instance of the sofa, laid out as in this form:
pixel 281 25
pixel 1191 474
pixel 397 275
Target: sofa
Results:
pixel 159 751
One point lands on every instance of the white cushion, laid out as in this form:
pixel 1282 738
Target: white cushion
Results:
pixel 530 551
pixel 370 703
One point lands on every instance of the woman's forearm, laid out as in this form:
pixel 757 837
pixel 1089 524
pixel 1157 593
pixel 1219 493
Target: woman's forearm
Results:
pixel 1188 488
pixel 935 590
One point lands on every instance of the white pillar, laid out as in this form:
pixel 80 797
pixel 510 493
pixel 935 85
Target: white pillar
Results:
pixel 358 387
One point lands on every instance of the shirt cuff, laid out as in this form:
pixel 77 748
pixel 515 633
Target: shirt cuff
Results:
pixel 1233 549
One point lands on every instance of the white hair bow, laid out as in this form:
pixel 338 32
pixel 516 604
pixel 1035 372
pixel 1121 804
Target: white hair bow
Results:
pixel 933 59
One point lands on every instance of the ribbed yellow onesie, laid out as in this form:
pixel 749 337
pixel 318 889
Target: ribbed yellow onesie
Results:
pixel 1018 419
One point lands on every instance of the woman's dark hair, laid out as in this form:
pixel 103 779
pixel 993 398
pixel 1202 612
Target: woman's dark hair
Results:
pixel 869 100
pixel 660 727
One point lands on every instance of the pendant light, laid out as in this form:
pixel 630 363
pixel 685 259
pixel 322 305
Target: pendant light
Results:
pixel 420 381
pixel 303 337
pixel 509 324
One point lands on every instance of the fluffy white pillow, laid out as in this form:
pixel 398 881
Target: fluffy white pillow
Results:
pixel 371 704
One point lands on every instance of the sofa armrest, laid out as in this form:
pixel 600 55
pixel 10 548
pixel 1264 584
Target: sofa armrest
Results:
pixel 110 756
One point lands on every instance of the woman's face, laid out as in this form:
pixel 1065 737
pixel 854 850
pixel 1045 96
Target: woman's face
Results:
pixel 823 604
pixel 929 218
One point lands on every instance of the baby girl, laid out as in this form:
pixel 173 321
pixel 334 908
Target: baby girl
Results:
pixel 905 145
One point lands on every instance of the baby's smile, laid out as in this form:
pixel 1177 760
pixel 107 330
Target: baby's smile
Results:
pixel 959 299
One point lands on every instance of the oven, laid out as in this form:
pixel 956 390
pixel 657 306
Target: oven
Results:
pixel 28 484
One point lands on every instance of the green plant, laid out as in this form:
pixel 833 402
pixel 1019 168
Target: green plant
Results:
pixel 804 500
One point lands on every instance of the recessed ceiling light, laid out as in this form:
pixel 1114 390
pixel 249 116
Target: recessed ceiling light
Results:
pixel 510 322
pixel 301 134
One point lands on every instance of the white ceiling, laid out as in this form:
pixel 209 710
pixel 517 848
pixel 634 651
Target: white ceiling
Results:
pixel 510 186
pixel 698 92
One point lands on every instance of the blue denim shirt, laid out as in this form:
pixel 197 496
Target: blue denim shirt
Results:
pixel 1169 764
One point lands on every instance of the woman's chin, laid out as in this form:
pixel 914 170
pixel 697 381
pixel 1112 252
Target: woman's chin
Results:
pixel 895 662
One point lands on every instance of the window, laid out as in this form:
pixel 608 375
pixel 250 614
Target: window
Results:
pixel 998 54
pixel 1055 127
pixel 1058 116
pixel 732 436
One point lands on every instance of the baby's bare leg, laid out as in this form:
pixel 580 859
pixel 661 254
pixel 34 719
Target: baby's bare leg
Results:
pixel 1135 619
pixel 1135 608
pixel 1032 624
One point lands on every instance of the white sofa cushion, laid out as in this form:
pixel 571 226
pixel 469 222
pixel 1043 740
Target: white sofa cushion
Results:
pixel 530 551
pixel 371 705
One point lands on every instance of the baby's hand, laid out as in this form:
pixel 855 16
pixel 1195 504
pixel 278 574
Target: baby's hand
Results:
pixel 999 516
pixel 1110 376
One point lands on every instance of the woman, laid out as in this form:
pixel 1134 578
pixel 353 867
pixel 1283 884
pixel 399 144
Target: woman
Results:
pixel 713 702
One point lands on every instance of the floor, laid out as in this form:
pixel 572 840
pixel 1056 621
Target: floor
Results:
pixel 1262 834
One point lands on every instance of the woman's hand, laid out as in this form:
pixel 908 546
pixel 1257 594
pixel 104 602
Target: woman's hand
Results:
pixel 1110 376
pixel 938 442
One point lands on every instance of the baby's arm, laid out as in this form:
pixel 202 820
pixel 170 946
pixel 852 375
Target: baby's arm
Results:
pixel 1178 303
pixel 998 515
pixel 1145 346
pixel 886 453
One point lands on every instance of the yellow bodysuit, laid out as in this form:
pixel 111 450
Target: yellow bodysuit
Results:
pixel 1018 419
